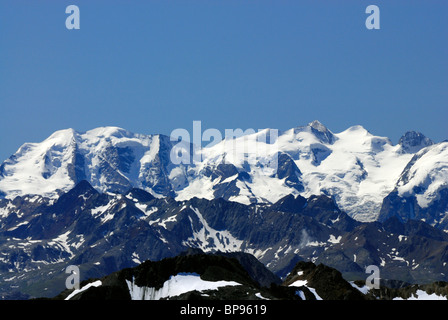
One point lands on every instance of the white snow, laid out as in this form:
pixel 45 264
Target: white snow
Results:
pixel 222 240
pixel 18 225
pixel 301 294
pixel 300 283
pixel 357 173
pixel 43 168
pixel 35 161
pixel 146 209
pixel 4 212
pixel 136 258
pixel 176 285
pixel 62 243
pixel 364 289
pixel 87 286
pixel 165 221
pixel 258 295
pixel 104 213
pixel 200 186
pixel 429 172
pixel 356 167
pixel 335 240
pixel 313 291
pixel 423 295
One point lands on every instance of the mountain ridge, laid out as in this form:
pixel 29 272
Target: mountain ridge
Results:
pixel 195 275
pixel 104 232
pixel 358 169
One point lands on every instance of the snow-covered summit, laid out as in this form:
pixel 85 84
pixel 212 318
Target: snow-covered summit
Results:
pixel 355 167
pixel 425 174
pixel 108 157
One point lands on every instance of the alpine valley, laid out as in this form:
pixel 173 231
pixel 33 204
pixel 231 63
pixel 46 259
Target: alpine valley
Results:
pixel 112 203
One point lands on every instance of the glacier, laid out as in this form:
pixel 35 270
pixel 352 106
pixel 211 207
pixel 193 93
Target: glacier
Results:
pixel 354 167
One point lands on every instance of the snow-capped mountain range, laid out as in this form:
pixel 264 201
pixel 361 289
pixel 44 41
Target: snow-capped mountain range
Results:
pixel 102 233
pixel 109 199
pixel 356 168
pixel 194 275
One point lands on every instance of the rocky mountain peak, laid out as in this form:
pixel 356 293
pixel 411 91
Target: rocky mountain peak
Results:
pixel 321 132
pixel 412 142
pixel 316 124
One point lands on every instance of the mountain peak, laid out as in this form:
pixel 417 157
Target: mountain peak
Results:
pixel 64 136
pixel 76 196
pixel 321 132
pixel 109 131
pixel 83 188
pixel 413 141
pixel 140 195
pixel 316 124
pixel 358 128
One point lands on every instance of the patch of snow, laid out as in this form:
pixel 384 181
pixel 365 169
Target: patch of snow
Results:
pixel 208 238
pixel 176 285
pixel 258 295
pixel 145 209
pixel 18 225
pixel 423 295
pixel 364 289
pixel 335 240
pixel 135 258
pixel 301 294
pixel 62 243
pixel 87 286
pixel 300 283
pixel 170 219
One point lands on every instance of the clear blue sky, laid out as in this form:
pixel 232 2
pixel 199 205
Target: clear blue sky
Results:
pixel 154 66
